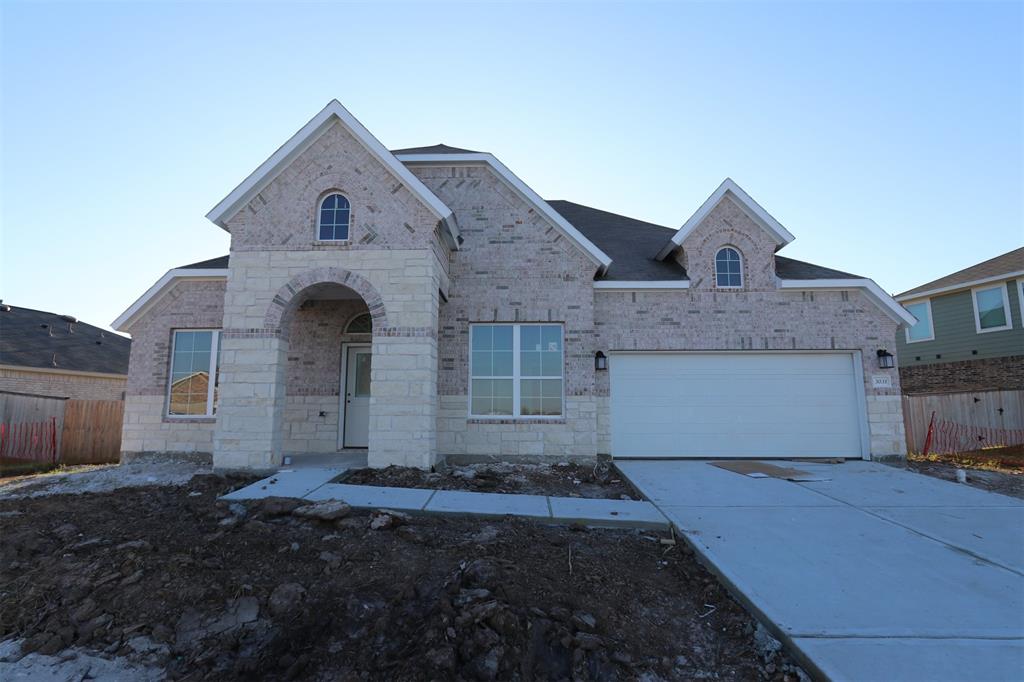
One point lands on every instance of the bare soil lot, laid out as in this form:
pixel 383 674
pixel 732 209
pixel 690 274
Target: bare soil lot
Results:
pixel 169 578
pixel 1004 482
pixel 599 480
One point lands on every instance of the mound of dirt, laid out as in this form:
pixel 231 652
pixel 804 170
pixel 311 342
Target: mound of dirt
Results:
pixel 170 578
pixel 599 480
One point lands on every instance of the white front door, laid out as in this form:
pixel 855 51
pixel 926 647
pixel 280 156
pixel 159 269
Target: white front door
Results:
pixel 355 397
pixel 741 404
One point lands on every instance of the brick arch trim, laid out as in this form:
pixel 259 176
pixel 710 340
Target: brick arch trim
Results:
pixel 285 301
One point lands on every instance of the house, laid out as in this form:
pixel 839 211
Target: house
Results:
pixel 970 330
pixel 426 303
pixel 47 354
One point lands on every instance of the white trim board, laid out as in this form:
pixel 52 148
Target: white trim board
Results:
pixel 874 292
pixel 957 287
pixel 154 293
pixel 638 285
pixel 301 141
pixel 600 258
pixel 753 210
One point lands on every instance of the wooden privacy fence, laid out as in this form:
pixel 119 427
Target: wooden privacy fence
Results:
pixel 982 412
pixel 92 431
pixel 55 430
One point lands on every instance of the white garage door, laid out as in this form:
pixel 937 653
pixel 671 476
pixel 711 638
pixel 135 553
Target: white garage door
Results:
pixel 735 405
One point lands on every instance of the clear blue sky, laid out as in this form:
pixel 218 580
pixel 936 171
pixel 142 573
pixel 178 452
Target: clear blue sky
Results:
pixel 889 138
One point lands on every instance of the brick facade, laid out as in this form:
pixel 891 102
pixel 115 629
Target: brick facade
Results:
pixel 73 385
pixel 988 374
pixel 288 297
pixel 505 238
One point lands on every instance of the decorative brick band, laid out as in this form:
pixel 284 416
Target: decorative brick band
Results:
pixel 538 422
pixel 418 332
pixel 281 309
pixel 254 333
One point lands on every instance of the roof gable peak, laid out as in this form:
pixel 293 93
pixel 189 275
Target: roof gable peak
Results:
pixel 729 189
pixel 333 113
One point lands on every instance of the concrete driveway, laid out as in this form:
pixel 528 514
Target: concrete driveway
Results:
pixel 874 574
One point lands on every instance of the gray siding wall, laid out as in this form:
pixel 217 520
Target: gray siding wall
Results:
pixel 955 335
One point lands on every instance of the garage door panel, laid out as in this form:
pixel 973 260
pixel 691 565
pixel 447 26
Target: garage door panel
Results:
pixel 734 405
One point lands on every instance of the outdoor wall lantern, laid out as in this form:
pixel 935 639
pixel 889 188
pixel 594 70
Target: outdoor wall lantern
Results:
pixel 885 359
pixel 600 361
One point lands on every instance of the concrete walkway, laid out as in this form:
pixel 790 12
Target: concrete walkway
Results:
pixel 874 574
pixel 316 484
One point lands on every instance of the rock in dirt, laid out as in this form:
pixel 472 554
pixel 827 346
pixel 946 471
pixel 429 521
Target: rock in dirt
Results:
pixel 584 622
pixel 588 641
pixel 328 510
pixel 387 518
pixel 285 598
pixel 279 506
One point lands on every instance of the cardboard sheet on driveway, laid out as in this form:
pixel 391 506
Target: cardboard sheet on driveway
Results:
pixel 757 469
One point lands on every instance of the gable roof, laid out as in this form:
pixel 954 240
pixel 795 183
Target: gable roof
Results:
pixel 41 340
pixel 213 269
pixel 789 268
pixel 754 211
pixel 631 243
pixel 599 257
pixel 301 141
pixel 1005 266
pixel 438 148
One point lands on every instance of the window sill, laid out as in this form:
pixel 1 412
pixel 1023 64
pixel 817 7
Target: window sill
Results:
pixel 516 420
pixel 171 419
pixel 995 329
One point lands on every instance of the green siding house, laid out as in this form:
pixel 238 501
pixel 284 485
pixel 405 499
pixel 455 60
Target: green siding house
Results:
pixel 970 330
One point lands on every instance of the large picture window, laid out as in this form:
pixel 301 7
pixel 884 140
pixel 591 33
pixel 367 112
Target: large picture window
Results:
pixel 516 370
pixel 192 386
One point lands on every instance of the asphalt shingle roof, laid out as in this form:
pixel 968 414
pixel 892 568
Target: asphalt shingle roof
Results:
pixel 632 245
pixel 35 338
pixel 434 149
pixel 1011 261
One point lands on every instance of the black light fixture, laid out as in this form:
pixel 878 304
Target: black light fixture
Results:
pixel 885 359
pixel 600 361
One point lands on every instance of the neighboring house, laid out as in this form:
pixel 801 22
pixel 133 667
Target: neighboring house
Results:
pixel 970 330
pixel 56 355
pixel 426 303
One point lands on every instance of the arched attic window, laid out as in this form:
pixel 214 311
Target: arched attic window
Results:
pixel 332 218
pixel 360 324
pixel 728 268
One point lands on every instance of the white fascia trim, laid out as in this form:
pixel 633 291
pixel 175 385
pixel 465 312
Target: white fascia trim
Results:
pixel 753 209
pixel 69 372
pixel 154 292
pixel 301 141
pixel 883 300
pixel 963 285
pixel 637 285
pixel 599 257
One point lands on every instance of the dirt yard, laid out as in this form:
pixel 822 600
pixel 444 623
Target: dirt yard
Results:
pixel 165 579
pixel 998 470
pixel 565 480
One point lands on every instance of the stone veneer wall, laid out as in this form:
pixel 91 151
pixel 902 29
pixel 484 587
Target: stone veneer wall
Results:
pixel 147 428
pixel 312 379
pixel 987 374
pixel 512 267
pixel 391 260
pixel 63 385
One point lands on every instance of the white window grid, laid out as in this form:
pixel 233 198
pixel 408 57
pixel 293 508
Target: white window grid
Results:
pixel 515 377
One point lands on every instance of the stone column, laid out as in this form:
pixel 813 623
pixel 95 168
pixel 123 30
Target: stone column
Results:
pixel 403 402
pixel 251 400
